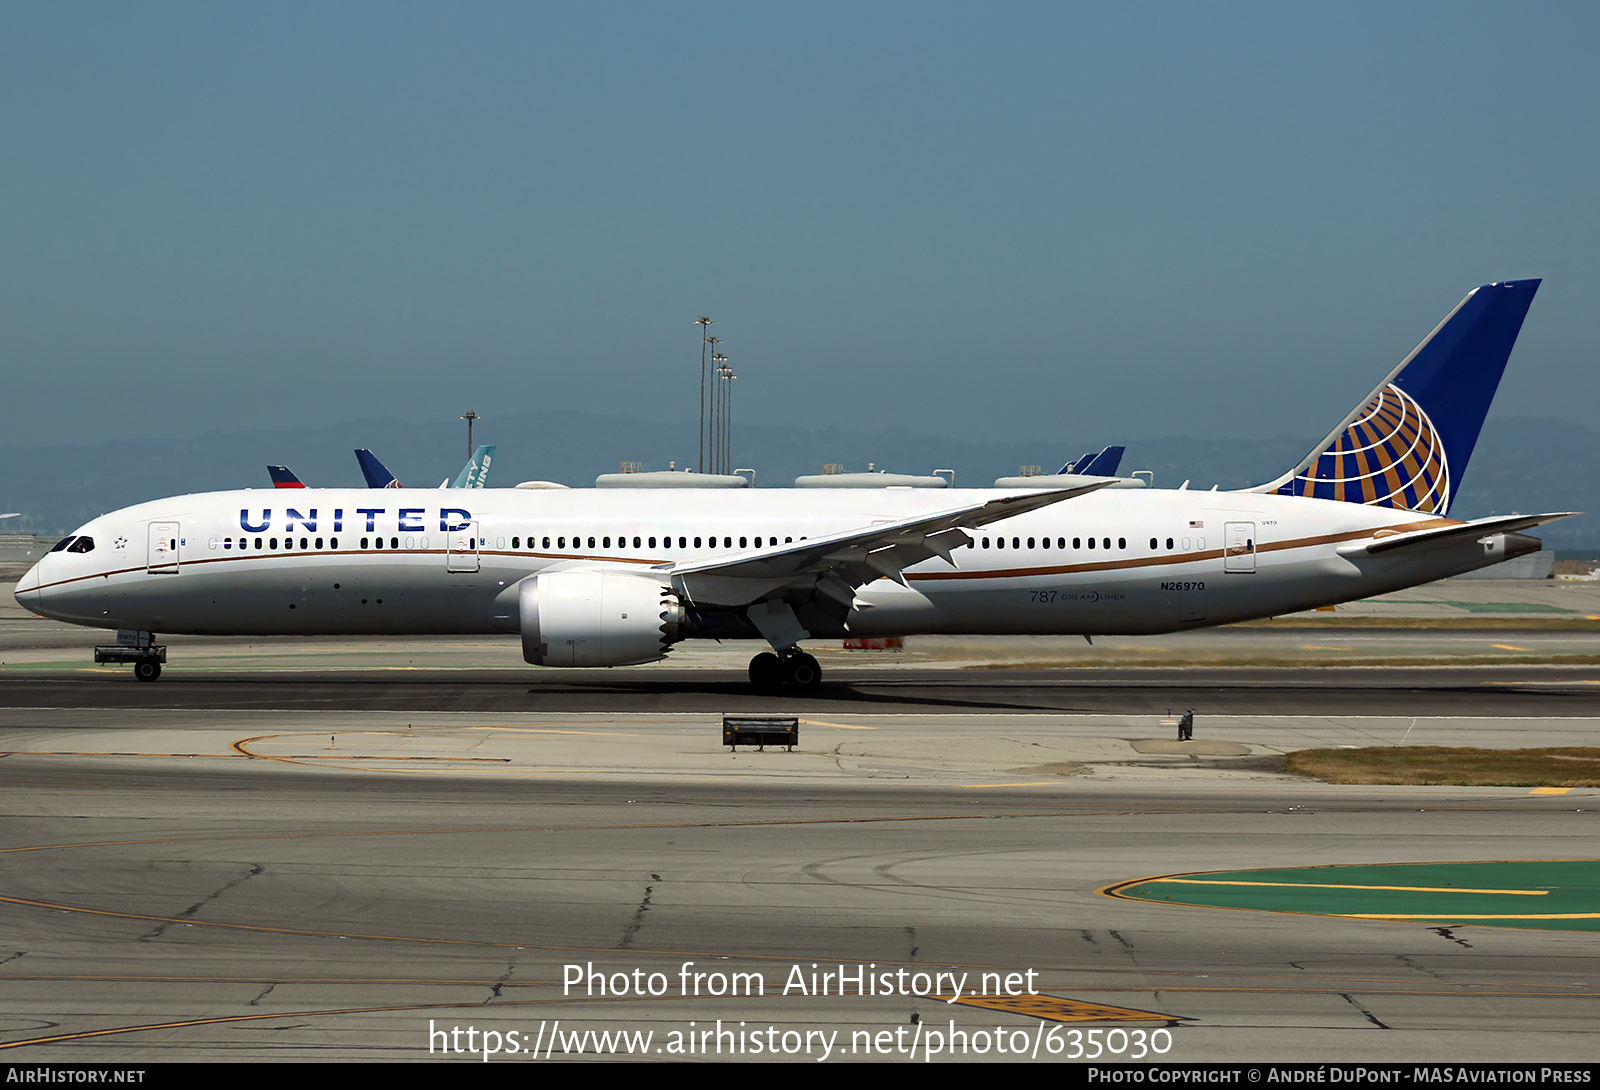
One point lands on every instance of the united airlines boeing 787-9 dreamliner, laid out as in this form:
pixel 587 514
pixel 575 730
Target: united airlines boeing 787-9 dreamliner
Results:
pixel 614 577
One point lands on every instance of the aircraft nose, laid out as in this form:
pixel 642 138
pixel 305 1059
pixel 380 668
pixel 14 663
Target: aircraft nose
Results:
pixel 27 594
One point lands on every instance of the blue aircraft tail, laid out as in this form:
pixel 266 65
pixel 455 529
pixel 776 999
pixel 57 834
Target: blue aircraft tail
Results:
pixel 476 471
pixel 376 473
pixel 283 478
pixel 1407 444
pixel 1072 467
pixel 1103 464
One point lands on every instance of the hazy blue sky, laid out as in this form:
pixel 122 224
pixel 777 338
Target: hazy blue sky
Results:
pixel 1077 222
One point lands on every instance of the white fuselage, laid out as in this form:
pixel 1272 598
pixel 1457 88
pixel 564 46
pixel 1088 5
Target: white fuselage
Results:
pixel 415 561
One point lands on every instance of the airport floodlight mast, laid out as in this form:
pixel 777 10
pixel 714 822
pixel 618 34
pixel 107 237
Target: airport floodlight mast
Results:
pixel 716 413
pixel 711 424
pixel 469 416
pixel 727 423
pixel 705 340
pixel 719 414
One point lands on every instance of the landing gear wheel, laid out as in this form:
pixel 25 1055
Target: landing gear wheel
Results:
pixel 766 671
pixel 802 671
pixel 147 670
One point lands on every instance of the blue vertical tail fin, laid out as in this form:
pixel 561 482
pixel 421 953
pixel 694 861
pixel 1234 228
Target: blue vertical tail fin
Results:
pixel 1407 444
pixel 376 473
pixel 1103 464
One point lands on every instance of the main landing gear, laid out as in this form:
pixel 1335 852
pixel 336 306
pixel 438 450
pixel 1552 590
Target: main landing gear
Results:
pixel 795 668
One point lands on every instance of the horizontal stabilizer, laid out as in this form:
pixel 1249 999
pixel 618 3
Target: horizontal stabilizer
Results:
pixel 1449 535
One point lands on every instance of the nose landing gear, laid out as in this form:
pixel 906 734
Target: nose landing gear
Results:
pixel 794 668
pixel 145 656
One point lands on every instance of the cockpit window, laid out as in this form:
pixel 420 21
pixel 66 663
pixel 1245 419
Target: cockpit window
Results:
pixel 84 544
pixel 62 544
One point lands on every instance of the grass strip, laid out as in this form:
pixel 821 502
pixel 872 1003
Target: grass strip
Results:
pixel 1451 765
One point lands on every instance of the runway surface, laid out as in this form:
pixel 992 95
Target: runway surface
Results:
pixel 186 884
pixel 1533 690
pixel 324 849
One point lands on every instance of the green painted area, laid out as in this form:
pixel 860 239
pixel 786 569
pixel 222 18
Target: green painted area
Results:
pixel 1556 895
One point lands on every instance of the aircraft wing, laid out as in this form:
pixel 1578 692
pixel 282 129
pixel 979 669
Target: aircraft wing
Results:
pixel 1442 535
pixel 833 566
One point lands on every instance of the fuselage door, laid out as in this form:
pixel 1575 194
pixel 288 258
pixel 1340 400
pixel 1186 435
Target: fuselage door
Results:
pixel 1239 547
pixel 162 558
pixel 461 548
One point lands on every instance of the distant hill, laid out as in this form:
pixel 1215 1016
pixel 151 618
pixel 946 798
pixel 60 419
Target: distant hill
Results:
pixel 1521 464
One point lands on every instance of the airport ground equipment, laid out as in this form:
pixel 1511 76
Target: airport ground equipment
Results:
pixel 761 731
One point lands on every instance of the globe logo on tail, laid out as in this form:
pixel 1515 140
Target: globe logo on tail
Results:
pixel 1391 455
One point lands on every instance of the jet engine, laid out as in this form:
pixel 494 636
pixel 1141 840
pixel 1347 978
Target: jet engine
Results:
pixel 597 618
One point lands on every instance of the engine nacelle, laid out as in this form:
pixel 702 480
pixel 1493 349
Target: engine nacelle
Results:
pixel 597 618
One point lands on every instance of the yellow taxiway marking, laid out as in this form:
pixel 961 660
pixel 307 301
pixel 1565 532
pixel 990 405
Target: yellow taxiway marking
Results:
pixel 1510 647
pixel 1320 647
pixel 1549 790
pixel 1052 1008
pixel 1332 885
pixel 840 726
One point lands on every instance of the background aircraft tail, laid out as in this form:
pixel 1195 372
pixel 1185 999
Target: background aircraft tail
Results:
pixel 376 473
pixel 1407 444
pixel 476 471
pixel 282 478
pixel 1103 464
